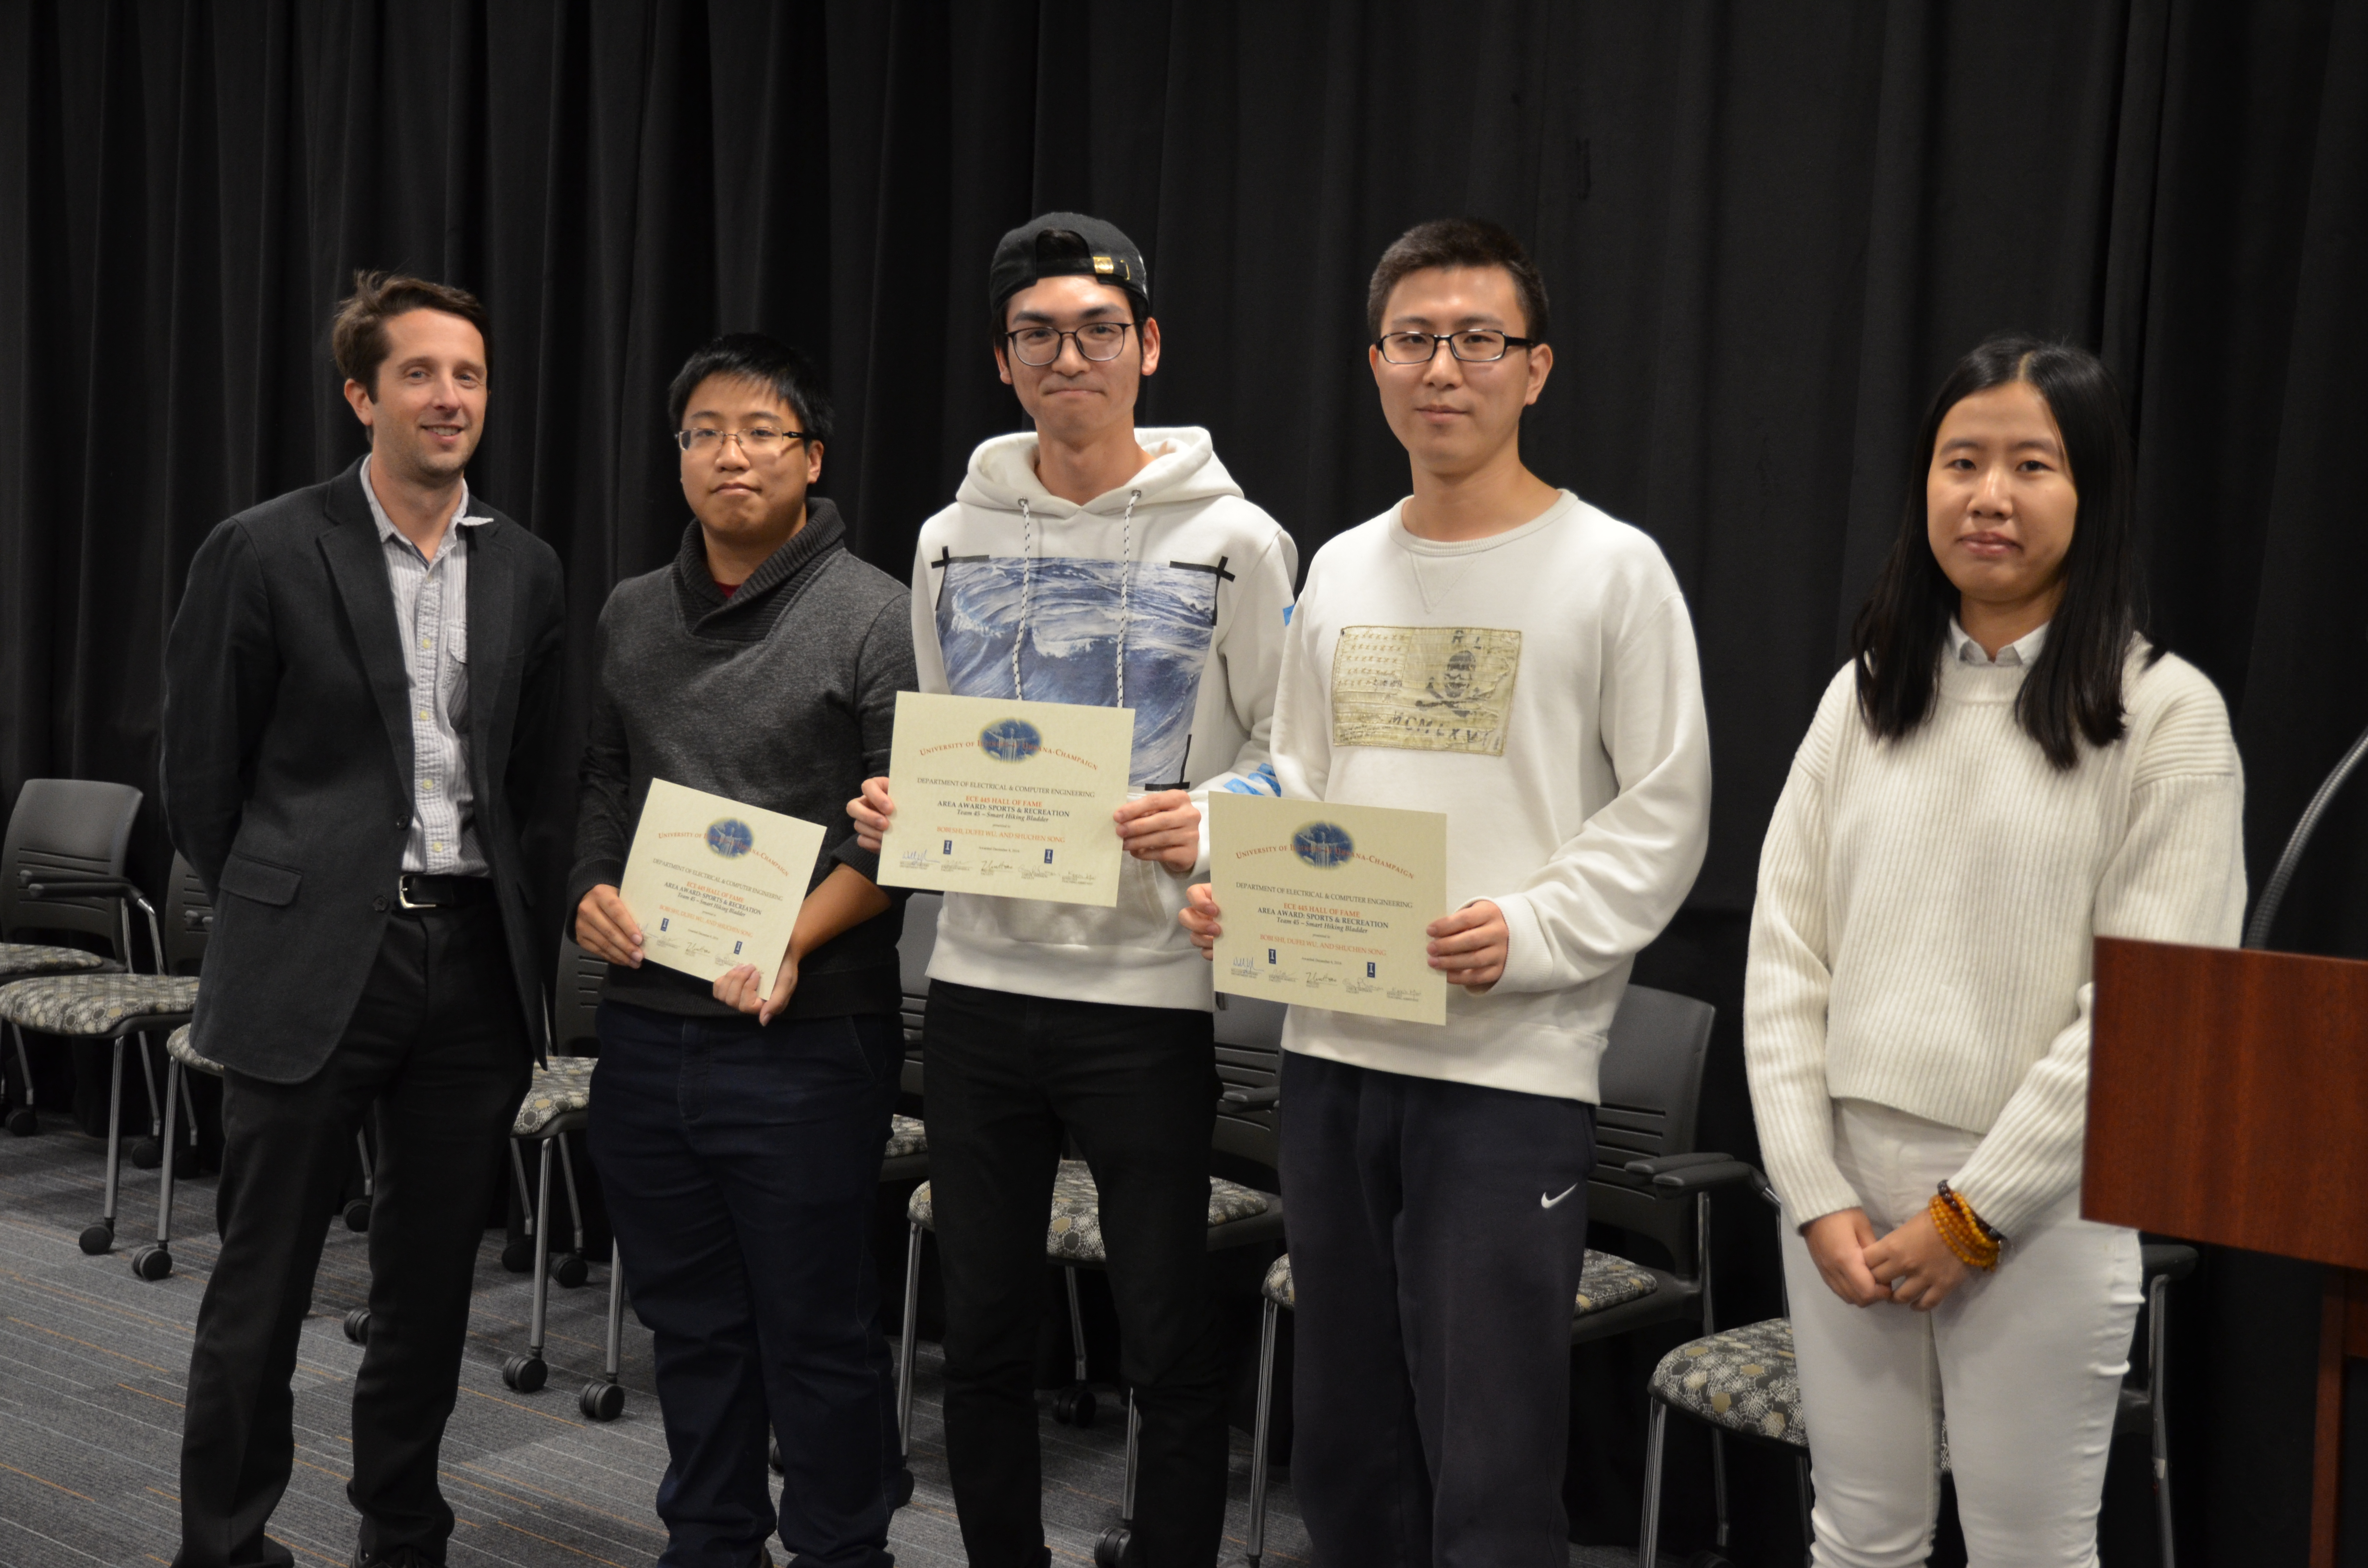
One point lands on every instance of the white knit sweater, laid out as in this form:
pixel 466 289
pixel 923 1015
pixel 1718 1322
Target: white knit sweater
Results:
pixel 1927 912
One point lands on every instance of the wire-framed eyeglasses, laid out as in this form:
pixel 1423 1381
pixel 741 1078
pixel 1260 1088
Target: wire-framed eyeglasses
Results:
pixel 1474 347
pixel 758 445
pixel 1099 341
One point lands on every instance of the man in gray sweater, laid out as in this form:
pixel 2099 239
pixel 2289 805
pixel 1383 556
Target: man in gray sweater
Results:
pixel 737 1125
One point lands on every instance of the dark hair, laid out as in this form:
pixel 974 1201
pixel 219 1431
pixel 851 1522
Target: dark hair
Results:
pixel 2074 687
pixel 358 333
pixel 769 362
pixel 1458 241
pixel 1058 254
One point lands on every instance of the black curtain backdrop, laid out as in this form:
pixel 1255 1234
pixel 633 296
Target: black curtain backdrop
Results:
pixel 1767 231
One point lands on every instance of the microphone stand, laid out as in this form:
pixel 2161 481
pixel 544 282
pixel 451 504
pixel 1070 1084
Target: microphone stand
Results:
pixel 2257 930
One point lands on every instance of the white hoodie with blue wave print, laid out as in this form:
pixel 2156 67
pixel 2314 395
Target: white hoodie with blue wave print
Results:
pixel 1169 595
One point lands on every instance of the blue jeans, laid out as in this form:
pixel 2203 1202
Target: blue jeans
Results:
pixel 740 1166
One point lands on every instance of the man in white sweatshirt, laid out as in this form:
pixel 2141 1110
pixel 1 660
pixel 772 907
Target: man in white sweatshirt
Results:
pixel 1499 651
pixel 1089 562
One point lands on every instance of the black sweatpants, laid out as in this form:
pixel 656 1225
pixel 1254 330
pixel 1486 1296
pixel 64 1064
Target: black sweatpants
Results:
pixel 1136 1087
pixel 1437 1235
pixel 438 1046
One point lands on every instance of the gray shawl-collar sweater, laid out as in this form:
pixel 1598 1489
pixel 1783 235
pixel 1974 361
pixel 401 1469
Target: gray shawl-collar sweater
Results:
pixel 782 696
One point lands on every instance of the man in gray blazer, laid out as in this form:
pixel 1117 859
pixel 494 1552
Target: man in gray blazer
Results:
pixel 359 687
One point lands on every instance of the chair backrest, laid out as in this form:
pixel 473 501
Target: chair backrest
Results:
pixel 78 826
pixel 188 920
pixel 1650 1080
pixel 575 998
pixel 1250 1056
pixel 913 950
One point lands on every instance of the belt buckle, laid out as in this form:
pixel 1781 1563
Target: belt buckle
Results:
pixel 402 893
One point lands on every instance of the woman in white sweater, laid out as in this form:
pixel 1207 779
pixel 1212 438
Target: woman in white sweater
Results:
pixel 2004 771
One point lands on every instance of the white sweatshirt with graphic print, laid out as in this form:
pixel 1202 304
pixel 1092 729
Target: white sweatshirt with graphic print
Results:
pixel 1171 586
pixel 1539 687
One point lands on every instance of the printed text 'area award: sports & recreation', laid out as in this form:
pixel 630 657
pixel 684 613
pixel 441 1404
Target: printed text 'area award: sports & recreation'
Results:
pixel 1009 798
pixel 716 884
pixel 1326 906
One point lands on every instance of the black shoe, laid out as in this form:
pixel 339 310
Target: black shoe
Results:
pixel 400 1557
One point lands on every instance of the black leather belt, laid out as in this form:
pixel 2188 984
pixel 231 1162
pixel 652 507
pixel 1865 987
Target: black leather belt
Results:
pixel 417 889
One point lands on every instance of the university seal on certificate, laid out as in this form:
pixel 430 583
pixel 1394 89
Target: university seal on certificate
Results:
pixel 1008 798
pixel 1325 904
pixel 714 883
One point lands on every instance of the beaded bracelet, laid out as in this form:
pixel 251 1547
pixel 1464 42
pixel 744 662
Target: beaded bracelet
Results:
pixel 1960 1238
pixel 1976 1244
pixel 1984 1238
pixel 1958 1201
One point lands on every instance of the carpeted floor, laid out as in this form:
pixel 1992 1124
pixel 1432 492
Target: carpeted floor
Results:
pixel 92 1362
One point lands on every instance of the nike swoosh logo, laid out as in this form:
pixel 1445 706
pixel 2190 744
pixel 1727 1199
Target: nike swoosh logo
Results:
pixel 1545 1203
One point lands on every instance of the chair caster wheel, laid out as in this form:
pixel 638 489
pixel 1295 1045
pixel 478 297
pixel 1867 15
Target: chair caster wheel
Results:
pixel 1111 1551
pixel 147 1153
pixel 773 1456
pixel 526 1374
pixel 519 1256
pixel 602 1402
pixel 23 1122
pixel 1074 1407
pixel 99 1239
pixel 901 1489
pixel 358 1214
pixel 152 1262
pixel 357 1326
pixel 568 1270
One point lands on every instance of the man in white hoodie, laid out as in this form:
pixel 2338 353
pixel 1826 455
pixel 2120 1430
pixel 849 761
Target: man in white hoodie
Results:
pixel 1089 562
pixel 1496 650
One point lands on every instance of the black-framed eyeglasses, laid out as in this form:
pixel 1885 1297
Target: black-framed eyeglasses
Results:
pixel 758 445
pixel 1474 347
pixel 1099 341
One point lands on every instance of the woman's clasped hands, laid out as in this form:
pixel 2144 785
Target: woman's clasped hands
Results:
pixel 1911 1266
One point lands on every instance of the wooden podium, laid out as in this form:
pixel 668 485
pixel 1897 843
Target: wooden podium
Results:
pixel 2228 1103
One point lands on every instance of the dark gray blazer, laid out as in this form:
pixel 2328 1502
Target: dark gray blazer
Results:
pixel 287 760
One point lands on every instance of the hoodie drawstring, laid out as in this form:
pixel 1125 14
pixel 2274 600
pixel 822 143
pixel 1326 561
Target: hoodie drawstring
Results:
pixel 1125 582
pixel 1027 569
pixel 1125 579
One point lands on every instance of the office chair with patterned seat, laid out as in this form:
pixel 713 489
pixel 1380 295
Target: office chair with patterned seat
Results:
pixel 61 828
pixel 116 1008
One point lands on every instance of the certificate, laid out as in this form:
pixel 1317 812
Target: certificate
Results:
pixel 716 884
pixel 1326 906
pixel 1008 798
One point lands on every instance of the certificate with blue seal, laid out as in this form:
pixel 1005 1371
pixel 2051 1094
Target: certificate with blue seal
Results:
pixel 714 883
pixel 1006 798
pixel 1326 906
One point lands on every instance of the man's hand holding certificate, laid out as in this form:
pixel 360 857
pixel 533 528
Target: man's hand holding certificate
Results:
pixel 1329 905
pixel 1009 798
pixel 715 884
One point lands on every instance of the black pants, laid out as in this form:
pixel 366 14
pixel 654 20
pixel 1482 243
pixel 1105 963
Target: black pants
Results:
pixel 438 1046
pixel 741 1164
pixel 1437 1235
pixel 1136 1087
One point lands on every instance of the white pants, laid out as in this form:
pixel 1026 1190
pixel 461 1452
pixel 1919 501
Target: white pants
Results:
pixel 2027 1363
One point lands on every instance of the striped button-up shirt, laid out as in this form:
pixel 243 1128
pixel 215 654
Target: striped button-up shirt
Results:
pixel 431 610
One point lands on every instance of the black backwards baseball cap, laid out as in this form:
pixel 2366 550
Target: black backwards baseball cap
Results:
pixel 1064 245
